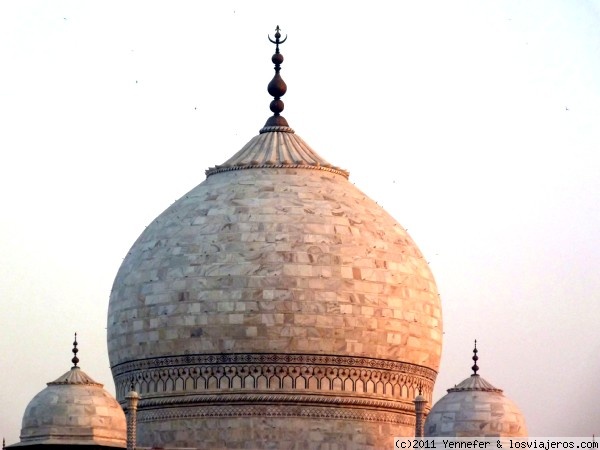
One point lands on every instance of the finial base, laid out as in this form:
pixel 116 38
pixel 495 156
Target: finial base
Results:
pixel 276 121
pixel 276 130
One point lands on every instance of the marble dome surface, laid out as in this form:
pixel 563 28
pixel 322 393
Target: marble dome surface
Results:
pixel 275 259
pixel 473 408
pixel 73 410
pixel 272 276
pixel 274 305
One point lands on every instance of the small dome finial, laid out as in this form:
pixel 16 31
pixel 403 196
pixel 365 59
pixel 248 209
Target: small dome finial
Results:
pixel 75 359
pixel 475 367
pixel 277 88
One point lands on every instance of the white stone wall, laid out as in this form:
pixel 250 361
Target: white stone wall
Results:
pixel 276 433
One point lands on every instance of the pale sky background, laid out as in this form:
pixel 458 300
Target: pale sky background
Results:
pixel 474 123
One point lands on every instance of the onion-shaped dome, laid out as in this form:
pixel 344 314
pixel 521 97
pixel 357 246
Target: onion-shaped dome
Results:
pixel 277 293
pixel 73 410
pixel 475 408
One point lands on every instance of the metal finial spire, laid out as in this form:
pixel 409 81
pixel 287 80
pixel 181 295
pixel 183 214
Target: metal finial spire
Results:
pixel 475 358
pixel 75 359
pixel 277 87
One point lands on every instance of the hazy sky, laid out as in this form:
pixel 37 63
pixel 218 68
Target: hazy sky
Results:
pixel 474 123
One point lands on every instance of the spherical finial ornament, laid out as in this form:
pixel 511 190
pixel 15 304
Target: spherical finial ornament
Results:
pixel 277 58
pixel 75 359
pixel 475 367
pixel 276 106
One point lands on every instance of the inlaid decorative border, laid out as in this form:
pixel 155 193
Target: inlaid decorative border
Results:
pixel 259 372
pixel 274 358
pixel 275 411
pixel 279 399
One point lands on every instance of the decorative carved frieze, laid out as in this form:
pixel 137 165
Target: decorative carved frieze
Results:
pixel 302 373
pixel 290 398
pixel 347 413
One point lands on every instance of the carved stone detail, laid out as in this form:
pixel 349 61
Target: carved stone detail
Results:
pixel 275 411
pixel 299 373
pixel 280 399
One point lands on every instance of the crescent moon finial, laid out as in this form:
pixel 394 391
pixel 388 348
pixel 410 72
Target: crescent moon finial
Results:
pixel 277 40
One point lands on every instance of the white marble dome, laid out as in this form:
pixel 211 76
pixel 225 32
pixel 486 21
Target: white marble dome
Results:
pixel 275 258
pixel 73 410
pixel 475 408
pixel 274 305
pixel 275 267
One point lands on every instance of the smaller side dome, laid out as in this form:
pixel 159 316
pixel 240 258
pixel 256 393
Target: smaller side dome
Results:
pixel 74 410
pixel 475 408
